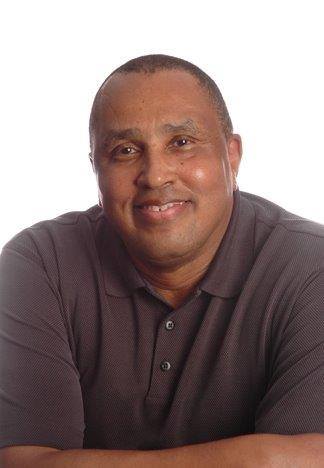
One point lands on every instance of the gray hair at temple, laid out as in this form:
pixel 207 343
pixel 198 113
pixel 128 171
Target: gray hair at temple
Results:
pixel 157 62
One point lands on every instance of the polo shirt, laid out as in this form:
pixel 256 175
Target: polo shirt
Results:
pixel 93 357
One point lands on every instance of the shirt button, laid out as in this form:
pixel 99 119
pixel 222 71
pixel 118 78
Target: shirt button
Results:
pixel 165 365
pixel 169 325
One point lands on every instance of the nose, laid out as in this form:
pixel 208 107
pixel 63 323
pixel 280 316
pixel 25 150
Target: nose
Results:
pixel 156 170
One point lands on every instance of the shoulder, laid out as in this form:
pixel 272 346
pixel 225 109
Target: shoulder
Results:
pixel 60 228
pixel 67 236
pixel 288 237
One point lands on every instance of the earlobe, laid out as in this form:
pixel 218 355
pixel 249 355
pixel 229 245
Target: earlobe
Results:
pixel 235 185
pixel 91 161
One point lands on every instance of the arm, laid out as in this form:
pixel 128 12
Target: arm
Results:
pixel 40 394
pixel 293 402
pixel 305 395
pixel 255 450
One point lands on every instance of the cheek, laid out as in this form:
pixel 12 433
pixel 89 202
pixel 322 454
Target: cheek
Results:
pixel 199 175
pixel 206 177
pixel 114 196
pixel 113 187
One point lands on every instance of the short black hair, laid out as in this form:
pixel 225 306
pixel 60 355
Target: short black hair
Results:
pixel 159 62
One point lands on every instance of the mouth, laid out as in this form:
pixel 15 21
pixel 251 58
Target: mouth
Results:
pixel 159 207
pixel 154 212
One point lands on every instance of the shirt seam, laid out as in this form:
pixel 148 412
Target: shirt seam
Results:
pixel 290 229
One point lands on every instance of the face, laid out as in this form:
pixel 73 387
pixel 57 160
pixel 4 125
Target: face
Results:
pixel 163 166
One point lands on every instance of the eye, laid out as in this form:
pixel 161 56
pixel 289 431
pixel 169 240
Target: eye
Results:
pixel 124 151
pixel 127 150
pixel 182 141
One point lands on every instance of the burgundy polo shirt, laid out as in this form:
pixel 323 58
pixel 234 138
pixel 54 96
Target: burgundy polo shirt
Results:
pixel 92 357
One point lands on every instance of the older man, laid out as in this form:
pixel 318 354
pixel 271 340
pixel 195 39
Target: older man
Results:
pixel 178 323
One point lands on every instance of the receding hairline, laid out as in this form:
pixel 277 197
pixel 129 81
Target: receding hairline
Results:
pixel 150 64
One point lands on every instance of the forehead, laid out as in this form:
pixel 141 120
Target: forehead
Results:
pixel 165 96
pixel 161 85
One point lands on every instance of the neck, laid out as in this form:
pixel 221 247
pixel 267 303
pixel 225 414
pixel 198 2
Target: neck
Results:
pixel 180 277
pixel 176 282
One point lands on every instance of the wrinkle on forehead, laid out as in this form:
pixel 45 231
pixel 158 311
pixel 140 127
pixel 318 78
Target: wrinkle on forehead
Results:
pixel 187 125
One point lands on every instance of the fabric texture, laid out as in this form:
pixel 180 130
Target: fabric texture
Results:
pixel 93 357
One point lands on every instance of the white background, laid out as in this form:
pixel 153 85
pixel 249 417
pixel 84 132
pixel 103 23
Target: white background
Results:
pixel 266 56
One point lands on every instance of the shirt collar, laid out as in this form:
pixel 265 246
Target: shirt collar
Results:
pixel 235 255
pixel 225 275
pixel 120 275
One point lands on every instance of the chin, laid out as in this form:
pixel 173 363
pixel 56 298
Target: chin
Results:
pixel 163 255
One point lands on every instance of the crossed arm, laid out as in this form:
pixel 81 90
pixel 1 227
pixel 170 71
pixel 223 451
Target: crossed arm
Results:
pixel 254 450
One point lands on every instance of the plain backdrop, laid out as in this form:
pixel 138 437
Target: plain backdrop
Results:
pixel 266 57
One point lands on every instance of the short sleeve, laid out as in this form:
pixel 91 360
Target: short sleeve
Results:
pixel 294 400
pixel 40 393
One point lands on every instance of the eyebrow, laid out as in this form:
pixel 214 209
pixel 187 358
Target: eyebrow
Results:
pixel 187 125
pixel 128 133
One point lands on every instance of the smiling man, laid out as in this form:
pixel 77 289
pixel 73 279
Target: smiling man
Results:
pixel 165 166
pixel 179 322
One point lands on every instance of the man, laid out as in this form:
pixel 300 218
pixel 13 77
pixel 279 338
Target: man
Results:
pixel 178 323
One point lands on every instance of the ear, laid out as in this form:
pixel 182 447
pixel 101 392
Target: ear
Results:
pixel 235 150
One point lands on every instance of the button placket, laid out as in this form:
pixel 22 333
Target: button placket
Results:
pixel 165 365
pixel 171 345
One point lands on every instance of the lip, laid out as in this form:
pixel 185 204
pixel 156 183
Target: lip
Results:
pixel 159 202
pixel 169 214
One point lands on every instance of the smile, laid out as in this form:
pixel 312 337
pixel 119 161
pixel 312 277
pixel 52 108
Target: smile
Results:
pixel 165 212
pixel 161 207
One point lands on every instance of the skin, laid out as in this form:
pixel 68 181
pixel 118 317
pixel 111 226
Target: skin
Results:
pixel 178 151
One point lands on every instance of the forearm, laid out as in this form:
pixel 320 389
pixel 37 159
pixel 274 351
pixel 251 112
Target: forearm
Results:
pixel 255 450
pixel 247 450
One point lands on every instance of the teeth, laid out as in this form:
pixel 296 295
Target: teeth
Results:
pixel 162 207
